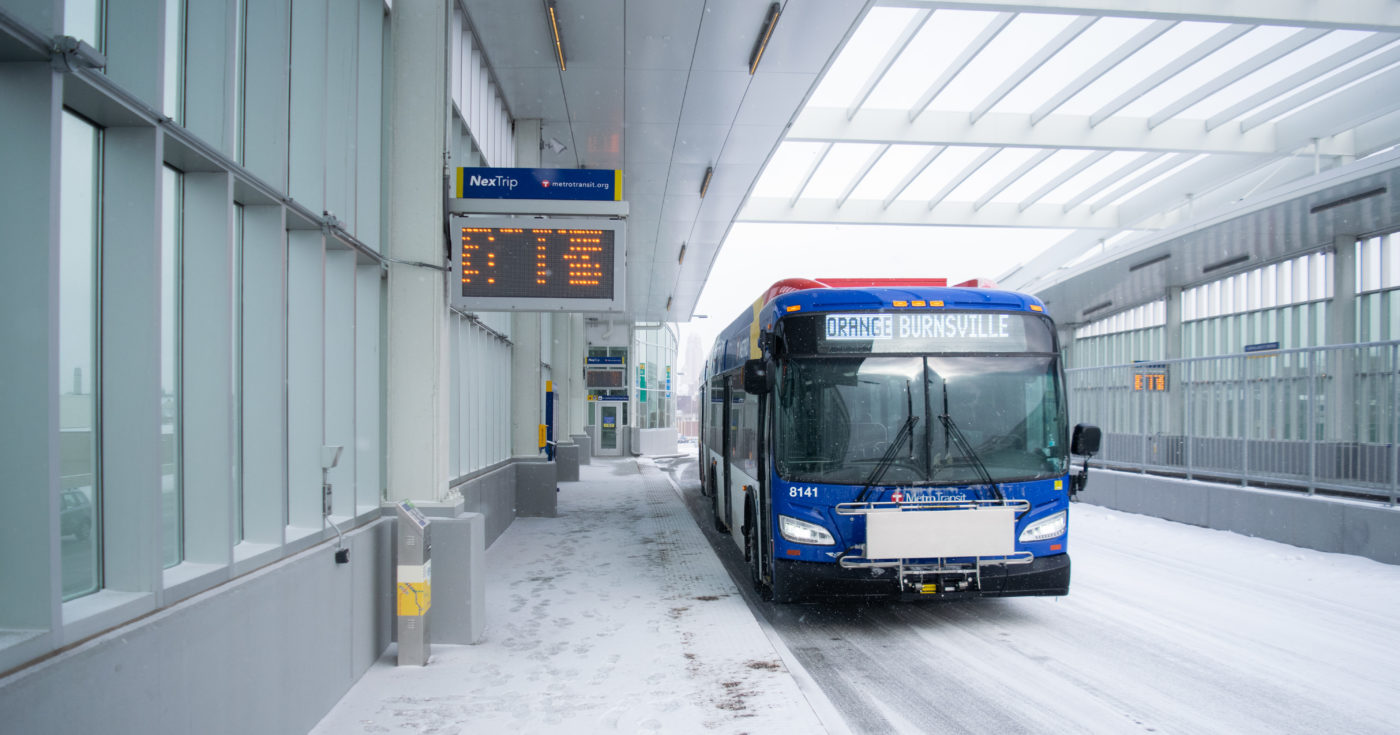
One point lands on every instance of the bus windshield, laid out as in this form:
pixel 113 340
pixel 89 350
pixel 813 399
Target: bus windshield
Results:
pixel 837 417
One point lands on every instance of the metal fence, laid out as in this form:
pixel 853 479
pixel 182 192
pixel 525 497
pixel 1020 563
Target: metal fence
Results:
pixel 1315 419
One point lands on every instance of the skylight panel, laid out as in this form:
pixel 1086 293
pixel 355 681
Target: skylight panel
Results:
pixel 1092 176
pixel 1206 70
pixel 1343 77
pixel 1076 58
pixel 991 173
pixel 786 169
pixel 889 171
pixel 1153 176
pixel 860 57
pixel 944 168
pixel 1011 48
pixel 1275 72
pixel 1039 176
pixel 940 41
pixel 842 164
pixel 1154 56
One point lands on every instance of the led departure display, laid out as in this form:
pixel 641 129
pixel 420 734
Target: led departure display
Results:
pixel 554 263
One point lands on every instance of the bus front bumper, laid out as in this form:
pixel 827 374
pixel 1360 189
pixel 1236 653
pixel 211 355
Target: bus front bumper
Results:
pixel 1044 576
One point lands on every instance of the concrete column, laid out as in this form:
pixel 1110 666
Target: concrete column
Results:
pixel 416 378
pixel 1340 365
pixel 527 385
pixel 579 392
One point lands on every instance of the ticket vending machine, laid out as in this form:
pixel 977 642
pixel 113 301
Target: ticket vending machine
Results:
pixel 415 585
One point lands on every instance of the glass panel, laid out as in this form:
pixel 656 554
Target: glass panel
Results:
pixel 172 186
pixel 238 370
pixel 80 499
pixel 174 93
pixel 83 20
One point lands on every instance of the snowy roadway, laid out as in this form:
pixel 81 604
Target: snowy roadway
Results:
pixel 1167 628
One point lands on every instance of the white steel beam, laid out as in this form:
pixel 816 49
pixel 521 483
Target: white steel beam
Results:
pixel 1058 181
pixel 1305 76
pixel 812 170
pixel 1318 89
pixel 947 214
pixel 864 171
pixel 1101 67
pixel 913 173
pixel 1343 111
pixel 829 124
pixel 962 176
pixel 1107 181
pixel 961 62
pixel 1037 60
pixel 1152 81
pixel 1372 15
pixel 911 29
pixel 1158 169
pixel 1012 178
pixel 1254 63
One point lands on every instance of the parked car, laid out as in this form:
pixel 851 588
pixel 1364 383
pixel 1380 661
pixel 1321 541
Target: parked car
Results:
pixel 76 514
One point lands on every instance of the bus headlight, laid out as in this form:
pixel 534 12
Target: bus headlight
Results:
pixel 1046 528
pixel 803 532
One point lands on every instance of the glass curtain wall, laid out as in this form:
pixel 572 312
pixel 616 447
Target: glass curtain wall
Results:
pixel 80 502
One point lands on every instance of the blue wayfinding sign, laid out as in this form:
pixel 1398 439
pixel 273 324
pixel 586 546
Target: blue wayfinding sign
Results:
pixel 586 184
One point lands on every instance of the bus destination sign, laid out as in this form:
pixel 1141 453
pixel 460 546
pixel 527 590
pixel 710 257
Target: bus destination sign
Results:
pixel 526 262
pixel 914 332
pixel 918 326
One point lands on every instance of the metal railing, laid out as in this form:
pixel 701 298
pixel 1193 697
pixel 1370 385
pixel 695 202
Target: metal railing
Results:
pixel 1314 419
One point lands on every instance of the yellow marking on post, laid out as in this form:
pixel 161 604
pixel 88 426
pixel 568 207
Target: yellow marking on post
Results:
pixel 542 430
pixel 755 351
pixel 461 181
pixel 549 386
pixel 617 184
pixel 415 598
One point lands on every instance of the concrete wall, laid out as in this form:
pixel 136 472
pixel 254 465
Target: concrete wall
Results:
pixel 492 494
pixel 269 652
pixel 1315 522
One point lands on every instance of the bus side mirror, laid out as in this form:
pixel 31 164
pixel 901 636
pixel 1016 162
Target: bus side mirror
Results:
pixel 756 377
pixel 1085 440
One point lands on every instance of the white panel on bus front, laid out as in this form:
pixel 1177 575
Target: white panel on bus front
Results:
pixel 925 534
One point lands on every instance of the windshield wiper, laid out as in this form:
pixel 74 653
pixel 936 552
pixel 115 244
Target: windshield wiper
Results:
pixel 905 431
pixel 967 450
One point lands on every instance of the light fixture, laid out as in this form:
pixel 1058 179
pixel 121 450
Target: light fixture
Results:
pixel 553 145
pixel 681 259
pixel 1225 263
pixel 1347 200
pixel 1145 263
pixel 705 185
pixel 554 30
pixel 773 11
pixel 1097 307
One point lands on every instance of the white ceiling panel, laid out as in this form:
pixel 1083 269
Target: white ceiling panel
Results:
pixel 699 143
pixel 713 97
pixel 770 96
pixel 654 95
pixel 664 33
pixel 649 142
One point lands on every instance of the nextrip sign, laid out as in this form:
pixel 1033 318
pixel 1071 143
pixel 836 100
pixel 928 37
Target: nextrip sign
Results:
pixel 576 184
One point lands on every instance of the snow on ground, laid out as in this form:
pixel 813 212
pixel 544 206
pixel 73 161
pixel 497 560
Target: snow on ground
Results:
pixel 614 617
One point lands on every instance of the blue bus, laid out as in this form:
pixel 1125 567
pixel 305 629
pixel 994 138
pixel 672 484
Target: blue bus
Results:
pixel 892 437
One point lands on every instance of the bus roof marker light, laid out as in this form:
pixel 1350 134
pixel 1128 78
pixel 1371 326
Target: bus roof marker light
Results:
pixel 794 307
pixel 774 11
pixel 921 303
pixel 1037 307
pixel 901 303
pixel 935 303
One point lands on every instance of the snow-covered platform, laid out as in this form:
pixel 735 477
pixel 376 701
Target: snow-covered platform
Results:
pixel 614 616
